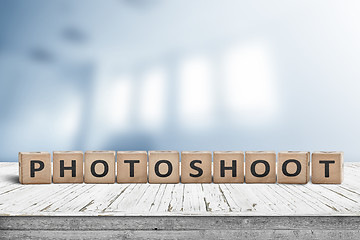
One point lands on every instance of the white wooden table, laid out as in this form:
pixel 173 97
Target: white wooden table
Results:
pixel 179 210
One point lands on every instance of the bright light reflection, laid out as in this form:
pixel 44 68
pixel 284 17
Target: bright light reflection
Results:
pixel 196 98
pixel 119 108
pixel 153 99
pixel 249 84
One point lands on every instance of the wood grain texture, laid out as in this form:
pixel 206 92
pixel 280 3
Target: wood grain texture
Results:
pixel 99 167
pixel 68 167
pixel 186 234
pixel 34 167
pixel 228 167
pixel 196 167
pixel 293 167
pixel 131 167
pixel 327 167
pixel 260 167
pixel 179 199
pixel 164 167
pixel 180 227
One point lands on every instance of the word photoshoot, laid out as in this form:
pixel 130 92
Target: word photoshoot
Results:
pixel 196 167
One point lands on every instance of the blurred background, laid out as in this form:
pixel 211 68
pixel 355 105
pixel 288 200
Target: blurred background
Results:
pixel 179 75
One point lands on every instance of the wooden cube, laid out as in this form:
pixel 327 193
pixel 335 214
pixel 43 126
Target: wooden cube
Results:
pixel 293 167
pixel 196 167
pixel 260 167
pixel 164 167
pixel 68 167
pixel 327 167
pixel 228 167
pixel 34 167
pixel 99 167
pixel 131 167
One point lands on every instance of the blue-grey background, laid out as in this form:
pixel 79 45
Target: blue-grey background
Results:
pixel 180 75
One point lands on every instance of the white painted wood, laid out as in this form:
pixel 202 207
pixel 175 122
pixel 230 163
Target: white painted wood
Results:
pixel 179 199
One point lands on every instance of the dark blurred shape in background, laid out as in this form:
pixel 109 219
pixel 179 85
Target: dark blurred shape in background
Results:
pixel 74 35
pixel 180 75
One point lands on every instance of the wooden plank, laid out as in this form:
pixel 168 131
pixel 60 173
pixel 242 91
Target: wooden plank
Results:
pixel 183 227
pixel 82 223
pixel 189 234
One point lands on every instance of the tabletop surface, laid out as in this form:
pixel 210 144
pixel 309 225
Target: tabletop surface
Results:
pixel 179 199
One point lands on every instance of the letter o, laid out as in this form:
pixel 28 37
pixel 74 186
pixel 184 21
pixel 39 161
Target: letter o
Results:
pixel 267 168
pixel 157 166
pixel 298 168
pixel 106 168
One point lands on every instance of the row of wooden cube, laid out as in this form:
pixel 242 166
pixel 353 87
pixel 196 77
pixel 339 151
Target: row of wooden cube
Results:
pixel 163 167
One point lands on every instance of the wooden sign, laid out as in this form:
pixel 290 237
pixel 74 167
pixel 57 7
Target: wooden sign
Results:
pixel 260 167
pixel 327 167
pixel 99 167
pixel 196 167
pixel 228 167
pixel 34 167
pixel 292 167
pixel 131 167
pixel 68 167
pixel 164 167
